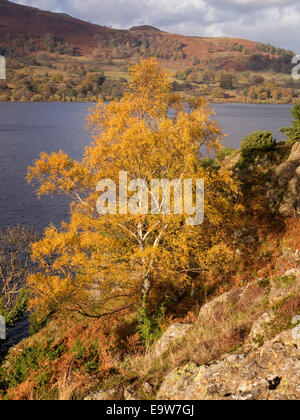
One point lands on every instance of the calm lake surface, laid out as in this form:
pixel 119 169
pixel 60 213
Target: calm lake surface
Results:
pixel 27 129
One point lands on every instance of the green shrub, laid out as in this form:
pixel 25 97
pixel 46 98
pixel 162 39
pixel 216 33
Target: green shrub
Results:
pixel 225 152
pixel 149 326
pixel 38 321
pixel 210 163
pixel 79 349
pixel 285 281
pixel 293 133
pixel 259 140
pixel 17 312
pixel 29 360
pixel 92 360
pixel 254 144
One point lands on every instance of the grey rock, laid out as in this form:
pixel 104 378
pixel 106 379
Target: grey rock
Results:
pixel 173 333
pixel 257 334
pixel 284 191
pixel 101 396
pixel 270 373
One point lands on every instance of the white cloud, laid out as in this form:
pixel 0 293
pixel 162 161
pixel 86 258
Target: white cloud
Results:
pixel 274 21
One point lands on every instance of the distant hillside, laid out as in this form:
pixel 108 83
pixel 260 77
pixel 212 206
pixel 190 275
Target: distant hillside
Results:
pixel 223 69
pixel 18 20
pixel 23 21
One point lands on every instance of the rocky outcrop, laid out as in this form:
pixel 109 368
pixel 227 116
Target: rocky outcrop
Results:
pixel 270 373
pixel 257 334
pixel 284 193
pixel 295 155
pixel 266 366
pixel 215 305
pixel 174 333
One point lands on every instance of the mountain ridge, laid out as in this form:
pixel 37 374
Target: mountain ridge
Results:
pixel 44 43
pixel 40 22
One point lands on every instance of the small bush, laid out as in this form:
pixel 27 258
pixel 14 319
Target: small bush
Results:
pixel 210 163
pixel 225 152
pixel 285 281
pixel 259 140
pixel 30 360
pixel 17 312
pixel 254 144
pixel 38 321
pixel 293 132
pixel 79 349
pixel 149 326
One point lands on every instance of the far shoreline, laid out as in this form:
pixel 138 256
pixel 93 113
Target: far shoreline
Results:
pixel 94 102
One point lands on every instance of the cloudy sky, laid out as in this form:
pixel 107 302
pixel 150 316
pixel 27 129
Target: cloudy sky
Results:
pixel 274 21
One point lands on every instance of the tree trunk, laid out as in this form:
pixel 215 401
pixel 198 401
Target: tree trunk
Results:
pixel 145 290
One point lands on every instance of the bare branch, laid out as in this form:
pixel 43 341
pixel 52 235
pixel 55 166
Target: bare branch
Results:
pixel 83 312
pixel 128 231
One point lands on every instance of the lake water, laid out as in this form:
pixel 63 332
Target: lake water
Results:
pixel 27 129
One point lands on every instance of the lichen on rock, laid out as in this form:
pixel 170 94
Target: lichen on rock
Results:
pixel 270 373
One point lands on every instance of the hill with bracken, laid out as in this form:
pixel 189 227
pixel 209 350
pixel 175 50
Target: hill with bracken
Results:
pixel 46 44
pixel 18 21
